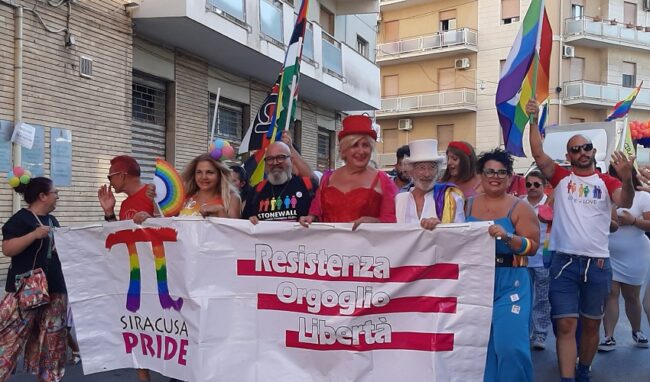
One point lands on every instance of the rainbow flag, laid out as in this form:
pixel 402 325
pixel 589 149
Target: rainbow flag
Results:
pixel 279 109
pixel 170 191
pixel 623 107
pixel 526 72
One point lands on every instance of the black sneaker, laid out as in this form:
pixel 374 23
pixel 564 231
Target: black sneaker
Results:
pixel 640 339
pixel 608 344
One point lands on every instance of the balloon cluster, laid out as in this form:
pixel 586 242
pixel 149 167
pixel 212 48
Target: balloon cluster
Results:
pixel 639 129
pixel 220 149
pixel 18 176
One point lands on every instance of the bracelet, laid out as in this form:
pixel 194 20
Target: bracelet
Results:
pixel 525 248
pixel 110 218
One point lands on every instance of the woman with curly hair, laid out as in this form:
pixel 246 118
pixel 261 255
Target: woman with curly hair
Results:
pixel 209 189
pixel 516 232
pixel 28 239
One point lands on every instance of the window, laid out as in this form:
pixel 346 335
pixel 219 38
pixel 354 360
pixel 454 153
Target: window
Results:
pixel 577 11
pixel 233 8
pixel 362 46
pixel 230 119
pixel 325 141
pixel 509 11
pixel 629 74
pixel 391 31
pixel 271 19
pixel 447 20
pixel 390 86
pixel 445 134
pixel 629 13
pixel 576 69
pixel 576 120
pixel 148 127
pixel 326 20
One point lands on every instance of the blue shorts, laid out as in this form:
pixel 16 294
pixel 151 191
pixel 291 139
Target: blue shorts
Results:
pixel 579 285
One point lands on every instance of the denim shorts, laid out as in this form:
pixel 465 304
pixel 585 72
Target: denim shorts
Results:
pixel 579 285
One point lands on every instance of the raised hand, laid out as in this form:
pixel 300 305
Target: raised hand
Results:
pixel 623 165
pixel 106 199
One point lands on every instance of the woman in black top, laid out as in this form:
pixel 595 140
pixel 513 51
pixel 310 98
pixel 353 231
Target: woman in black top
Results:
pixel 28 241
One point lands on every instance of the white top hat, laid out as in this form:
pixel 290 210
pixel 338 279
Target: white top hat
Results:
pixel 424 150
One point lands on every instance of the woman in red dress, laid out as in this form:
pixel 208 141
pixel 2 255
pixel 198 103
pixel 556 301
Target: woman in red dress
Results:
pixel 357 192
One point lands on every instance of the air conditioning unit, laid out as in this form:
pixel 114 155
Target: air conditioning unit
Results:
pixel 568 51
pixel 462 63
pixel 646 5
pixel 405 124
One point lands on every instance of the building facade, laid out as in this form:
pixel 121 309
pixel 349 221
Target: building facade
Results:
pixel 143 79
pixel 601 51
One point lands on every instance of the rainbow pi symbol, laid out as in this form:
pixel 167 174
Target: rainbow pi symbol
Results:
pixel 155 236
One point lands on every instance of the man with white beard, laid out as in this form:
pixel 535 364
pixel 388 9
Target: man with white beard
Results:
pixel 282 196
pixel 428 202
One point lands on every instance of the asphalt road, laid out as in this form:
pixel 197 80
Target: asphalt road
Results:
pixel 626 363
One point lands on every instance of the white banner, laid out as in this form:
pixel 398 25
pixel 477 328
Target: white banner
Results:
pixel 224 300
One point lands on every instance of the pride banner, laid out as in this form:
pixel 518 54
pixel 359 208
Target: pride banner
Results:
pixel 222 299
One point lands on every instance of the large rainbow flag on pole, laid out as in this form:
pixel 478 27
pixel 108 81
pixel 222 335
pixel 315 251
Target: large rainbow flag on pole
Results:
pixel 525 73
pixel 623 107
pixel 279 108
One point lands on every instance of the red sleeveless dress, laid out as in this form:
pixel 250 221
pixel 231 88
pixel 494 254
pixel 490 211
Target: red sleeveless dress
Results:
pixel 345 207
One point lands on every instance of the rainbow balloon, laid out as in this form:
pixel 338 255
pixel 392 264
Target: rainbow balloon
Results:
pixel 170 192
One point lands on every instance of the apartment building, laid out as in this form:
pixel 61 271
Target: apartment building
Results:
pixel 427 52
pixel 143 78
pixel 601 51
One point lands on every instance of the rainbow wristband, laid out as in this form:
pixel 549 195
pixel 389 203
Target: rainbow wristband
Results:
pixel 525 248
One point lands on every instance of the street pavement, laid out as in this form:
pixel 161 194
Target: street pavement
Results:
pixel 626 364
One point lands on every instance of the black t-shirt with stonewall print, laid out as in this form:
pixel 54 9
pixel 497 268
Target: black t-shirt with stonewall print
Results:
pixel 285 202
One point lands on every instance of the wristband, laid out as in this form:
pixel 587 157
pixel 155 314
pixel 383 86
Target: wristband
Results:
pixel 110 218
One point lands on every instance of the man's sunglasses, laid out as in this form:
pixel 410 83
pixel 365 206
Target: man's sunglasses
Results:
pixel 586 148
pixel 536 184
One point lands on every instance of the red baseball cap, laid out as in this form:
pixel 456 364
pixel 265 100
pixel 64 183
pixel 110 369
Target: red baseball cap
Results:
pixel 357 124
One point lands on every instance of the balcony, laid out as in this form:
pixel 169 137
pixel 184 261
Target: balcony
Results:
pixel 249 37
pixel 592 32
pixel 599 95
pixel 441 44
pixel 440 102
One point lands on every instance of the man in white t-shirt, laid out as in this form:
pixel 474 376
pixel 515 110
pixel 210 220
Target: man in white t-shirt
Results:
pixel 580 271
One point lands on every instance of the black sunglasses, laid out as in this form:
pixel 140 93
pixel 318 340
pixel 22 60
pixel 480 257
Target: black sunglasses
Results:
pixel 586 148
pixel 536 184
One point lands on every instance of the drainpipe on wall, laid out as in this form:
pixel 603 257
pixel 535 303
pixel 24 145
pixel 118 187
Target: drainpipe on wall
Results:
pixel 559 66
pixel 18 91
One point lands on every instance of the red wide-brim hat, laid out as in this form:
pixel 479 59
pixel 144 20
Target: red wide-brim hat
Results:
pixel 357 124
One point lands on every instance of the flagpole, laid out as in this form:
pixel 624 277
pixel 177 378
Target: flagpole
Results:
pixel 214 116
pixel 534 84
pixel 293 88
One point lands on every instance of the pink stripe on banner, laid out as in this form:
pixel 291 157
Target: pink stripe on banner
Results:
pixel 405 274
pixel 420 304
pixel 432 342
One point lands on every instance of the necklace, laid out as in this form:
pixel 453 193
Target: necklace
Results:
pixel 281 191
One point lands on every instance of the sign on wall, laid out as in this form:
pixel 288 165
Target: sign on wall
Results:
pixel 34 159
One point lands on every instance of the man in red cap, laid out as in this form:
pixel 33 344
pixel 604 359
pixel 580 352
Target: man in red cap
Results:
pixel 124 176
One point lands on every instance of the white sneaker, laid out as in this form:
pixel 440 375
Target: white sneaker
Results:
pixel 608 344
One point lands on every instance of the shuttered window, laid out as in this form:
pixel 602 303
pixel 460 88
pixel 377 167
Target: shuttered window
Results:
pixel 629 74
pixel 325 148
pixel 629 13
pixel 509 11
pixel 149 99
pixel 445 134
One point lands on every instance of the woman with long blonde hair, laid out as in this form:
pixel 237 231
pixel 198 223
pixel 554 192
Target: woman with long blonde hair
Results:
pixel 209 189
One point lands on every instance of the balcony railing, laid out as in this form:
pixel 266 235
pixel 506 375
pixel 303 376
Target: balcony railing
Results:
pixel 271 20
pixel 441 100
pixel 608 30
pixel 606 94
pixel 429 43
pixel 234 8
pixel 332 59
